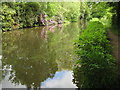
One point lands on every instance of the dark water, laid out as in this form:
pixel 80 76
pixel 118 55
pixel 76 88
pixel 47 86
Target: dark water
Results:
pixel 39 57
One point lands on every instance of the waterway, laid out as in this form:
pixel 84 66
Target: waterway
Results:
pixel 39 57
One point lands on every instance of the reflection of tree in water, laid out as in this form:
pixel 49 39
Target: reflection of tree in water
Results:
pixel 52 28
pixel 62 41
pixel 31 58
pixel 34 58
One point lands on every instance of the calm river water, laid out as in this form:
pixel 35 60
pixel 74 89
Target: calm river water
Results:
pixel 39 57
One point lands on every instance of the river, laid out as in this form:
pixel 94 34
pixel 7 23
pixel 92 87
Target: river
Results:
pixel 39 57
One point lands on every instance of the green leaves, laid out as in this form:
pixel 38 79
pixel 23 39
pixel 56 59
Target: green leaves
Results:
pixel 25 14
pixel 7 17
pixel 94 52
pixel 99 9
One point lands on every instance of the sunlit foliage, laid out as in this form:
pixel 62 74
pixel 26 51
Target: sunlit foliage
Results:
pixel 24 14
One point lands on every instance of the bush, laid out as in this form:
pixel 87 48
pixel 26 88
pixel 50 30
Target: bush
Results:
pixel 96 66
pixel 7 17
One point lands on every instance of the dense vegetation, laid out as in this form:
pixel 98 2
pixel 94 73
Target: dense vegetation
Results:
pixel 25 14
pixel 96 67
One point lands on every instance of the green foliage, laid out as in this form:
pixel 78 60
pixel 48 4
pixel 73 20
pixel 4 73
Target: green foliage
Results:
pixel 96 66
pixel 31 9
pixel 98 9
pixel 7 17
pixel 25 14
pixel 85 11
pixel 105 19
pixel 115 17
pixel 52 9
pixel 71 11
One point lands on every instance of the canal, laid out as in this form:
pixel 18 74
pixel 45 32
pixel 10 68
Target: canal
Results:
pixel 39 57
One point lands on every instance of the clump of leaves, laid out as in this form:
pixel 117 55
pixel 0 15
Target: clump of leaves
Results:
pixel 7 17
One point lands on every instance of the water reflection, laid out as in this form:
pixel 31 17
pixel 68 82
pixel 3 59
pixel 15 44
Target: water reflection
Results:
pixel 45 30
pixel 32 62
pixel 61 79
pixel 36 54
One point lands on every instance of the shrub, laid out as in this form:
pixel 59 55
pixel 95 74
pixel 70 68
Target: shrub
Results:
pixel 7 17
pixel 95 67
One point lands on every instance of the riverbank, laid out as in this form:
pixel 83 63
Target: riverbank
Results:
pixel 56 25
pixel 95 67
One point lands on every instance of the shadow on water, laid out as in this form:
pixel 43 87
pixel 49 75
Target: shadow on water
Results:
pixel 32 56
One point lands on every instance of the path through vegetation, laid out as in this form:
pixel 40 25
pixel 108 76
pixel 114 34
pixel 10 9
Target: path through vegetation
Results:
pixel 115 41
